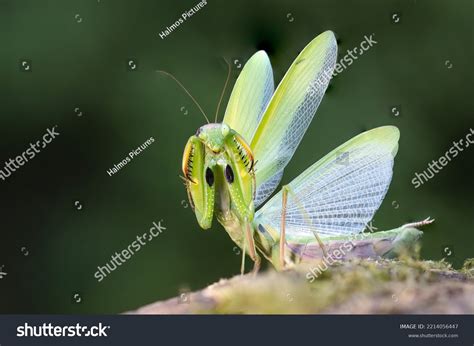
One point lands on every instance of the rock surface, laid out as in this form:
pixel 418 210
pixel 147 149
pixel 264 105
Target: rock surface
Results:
pixel 353 287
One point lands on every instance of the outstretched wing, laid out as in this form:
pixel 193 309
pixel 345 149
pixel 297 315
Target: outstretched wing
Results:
pixel 290 111
pixel 250 96
pixel 339 194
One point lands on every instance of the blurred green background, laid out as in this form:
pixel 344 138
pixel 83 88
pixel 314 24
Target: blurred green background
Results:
pixel 78 53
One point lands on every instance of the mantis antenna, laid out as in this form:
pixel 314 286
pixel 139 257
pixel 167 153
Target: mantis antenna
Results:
pixel 186 91
pixel 223 90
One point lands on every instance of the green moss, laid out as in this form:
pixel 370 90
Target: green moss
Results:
pixel 292 291
pixel 468 268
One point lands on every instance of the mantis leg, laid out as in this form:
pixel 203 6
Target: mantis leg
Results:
pixel 252 252
pixel 284 195
pixel 285 191
pixel 242 265
pixel 424 222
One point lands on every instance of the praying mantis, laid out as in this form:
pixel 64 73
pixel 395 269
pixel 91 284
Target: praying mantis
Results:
pixel 231 168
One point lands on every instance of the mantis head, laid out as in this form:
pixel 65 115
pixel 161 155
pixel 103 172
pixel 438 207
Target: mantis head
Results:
pixel 218 168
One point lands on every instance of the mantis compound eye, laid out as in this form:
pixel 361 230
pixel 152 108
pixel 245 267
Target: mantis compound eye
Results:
pixel 225 130
pixel 209 177
pixel 229 174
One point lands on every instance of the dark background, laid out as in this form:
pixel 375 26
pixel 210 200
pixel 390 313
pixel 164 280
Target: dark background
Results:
pixel 78 53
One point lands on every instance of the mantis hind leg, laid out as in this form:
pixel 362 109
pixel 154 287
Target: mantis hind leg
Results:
pixel 284 193
pixel 284 201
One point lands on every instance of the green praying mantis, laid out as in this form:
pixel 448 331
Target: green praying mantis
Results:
pixel 231 168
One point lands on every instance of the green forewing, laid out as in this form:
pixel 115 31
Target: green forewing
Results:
pixel 290 111
pixel 339 194
pixel 250 96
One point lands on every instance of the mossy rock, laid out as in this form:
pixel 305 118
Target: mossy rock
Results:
pixel 350 287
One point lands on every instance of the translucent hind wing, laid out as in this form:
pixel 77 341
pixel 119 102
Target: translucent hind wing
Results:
pixel 291 110
pixel 264 190
pixel 250 96
pixel 339 194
